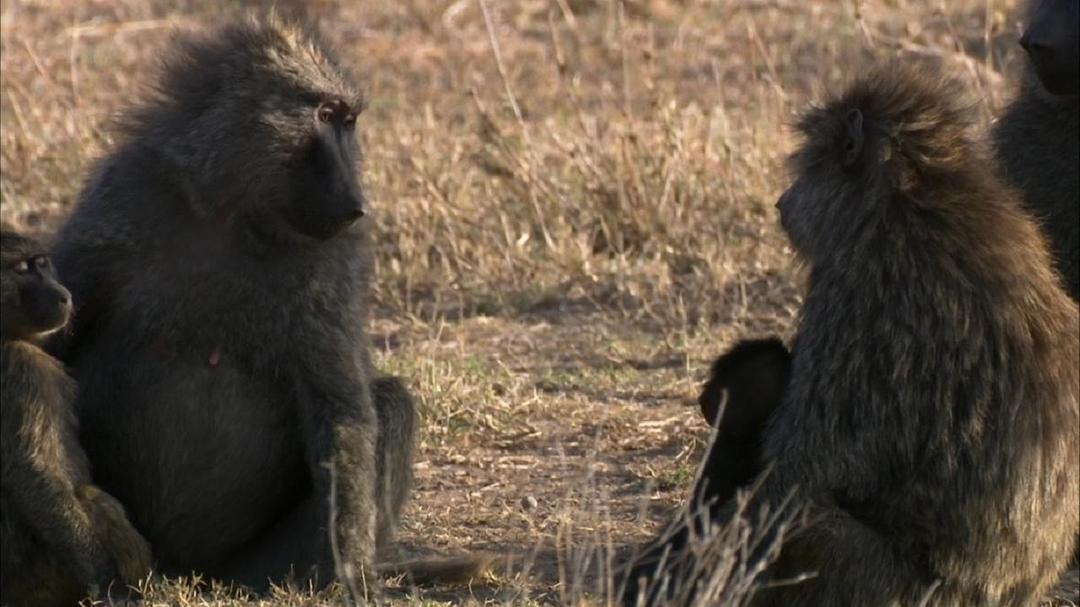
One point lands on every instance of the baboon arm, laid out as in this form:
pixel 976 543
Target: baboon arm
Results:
pixel 339 429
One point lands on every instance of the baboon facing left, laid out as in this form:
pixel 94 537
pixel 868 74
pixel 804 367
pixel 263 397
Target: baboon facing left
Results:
pixel 61 538
pixel 931 424
pixel 745 386
pixel 1038 138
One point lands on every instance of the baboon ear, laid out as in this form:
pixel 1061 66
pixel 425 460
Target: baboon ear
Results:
pixel 853 137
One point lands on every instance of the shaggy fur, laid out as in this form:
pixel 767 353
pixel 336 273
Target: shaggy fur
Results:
pixel 931 426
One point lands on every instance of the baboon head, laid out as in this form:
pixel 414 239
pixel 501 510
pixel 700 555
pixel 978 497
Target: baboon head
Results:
pixel 34 303
pixel 867 153
pixel 259 122
pixel 752 375
pixel 1052 41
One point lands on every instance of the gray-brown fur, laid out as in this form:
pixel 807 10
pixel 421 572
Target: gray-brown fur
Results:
pixel 931 425
pixel 221 274
pixel 399 428
pixel 58 544
pixel 1038 137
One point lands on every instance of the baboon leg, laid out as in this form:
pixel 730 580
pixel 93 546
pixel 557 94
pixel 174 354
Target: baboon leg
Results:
pixel 297 545
pixel 295 548
pixel 394 457
pixel 839 555
pixel 129 550
pixel 30 576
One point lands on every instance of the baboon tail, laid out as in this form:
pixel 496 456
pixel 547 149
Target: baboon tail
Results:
pixel 442 570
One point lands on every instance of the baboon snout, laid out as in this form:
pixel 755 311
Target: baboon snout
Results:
pixel 352 206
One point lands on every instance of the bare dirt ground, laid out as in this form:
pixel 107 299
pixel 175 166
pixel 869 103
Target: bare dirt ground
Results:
pixel 573 206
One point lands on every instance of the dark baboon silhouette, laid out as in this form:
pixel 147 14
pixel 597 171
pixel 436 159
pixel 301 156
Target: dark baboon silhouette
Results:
pixel 745 386
pixel 221 273
pixel 931 424
pixel 1038 137
pixel 62 538
pixel 746 383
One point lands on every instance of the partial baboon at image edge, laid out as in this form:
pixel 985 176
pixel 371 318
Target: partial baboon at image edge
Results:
pixel 1037 139
pixel 61 538
pixel 931 424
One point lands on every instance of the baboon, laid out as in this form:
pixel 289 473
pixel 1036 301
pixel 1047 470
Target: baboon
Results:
pixel 1038 137
pixel 746 383
pixel 745 386
pixel 930 428
pixel 63 539
pixel 220 266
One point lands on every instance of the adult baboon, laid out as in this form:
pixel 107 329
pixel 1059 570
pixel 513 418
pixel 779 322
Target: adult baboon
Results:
pixel 931 424
pixel 61 538
pixel 221 272
pixel 1038 137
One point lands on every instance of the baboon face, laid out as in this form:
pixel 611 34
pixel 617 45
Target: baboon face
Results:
pixel 327 197
pixel 1052 41
pixel 34 302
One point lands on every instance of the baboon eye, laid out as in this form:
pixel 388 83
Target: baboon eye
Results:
pixel 41 261
pixel 22 267
pixel 326 112
pixel 350 120
pixel 332 111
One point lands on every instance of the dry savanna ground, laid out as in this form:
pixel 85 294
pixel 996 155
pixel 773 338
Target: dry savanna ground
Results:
pixel 574 212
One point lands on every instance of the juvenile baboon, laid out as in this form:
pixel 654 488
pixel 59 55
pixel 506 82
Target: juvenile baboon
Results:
pixel 1038 137
pixel 61 538
pixel 745 386
pixel 931 424
pixel 746 383
pixel 221 272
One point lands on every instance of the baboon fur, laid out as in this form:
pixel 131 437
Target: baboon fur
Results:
pixel 1038 147
pixel 61 538
pixel 930 427
pixel 221 273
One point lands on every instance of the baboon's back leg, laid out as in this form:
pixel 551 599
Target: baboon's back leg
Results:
pixel 296 547
pixel 397 443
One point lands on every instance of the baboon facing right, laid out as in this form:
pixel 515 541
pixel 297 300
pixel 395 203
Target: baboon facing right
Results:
pixel 61 538
pixel 931 424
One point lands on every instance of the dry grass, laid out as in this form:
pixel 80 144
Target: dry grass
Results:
pixel 567 229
